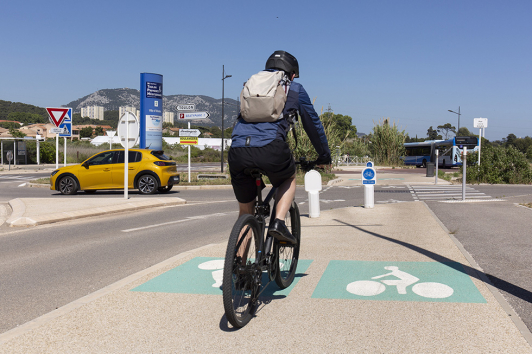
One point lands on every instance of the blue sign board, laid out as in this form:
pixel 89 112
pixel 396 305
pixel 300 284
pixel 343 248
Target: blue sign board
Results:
pixel 151 111
pixel 67 123
pixel 369 176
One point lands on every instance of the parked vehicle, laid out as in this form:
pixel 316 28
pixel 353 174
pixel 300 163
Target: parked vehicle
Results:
pixel 149 171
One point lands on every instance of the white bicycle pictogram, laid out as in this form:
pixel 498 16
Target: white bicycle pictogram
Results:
pixel 430 290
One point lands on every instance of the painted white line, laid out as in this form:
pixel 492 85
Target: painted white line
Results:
pixel 199 217
pixel 22 185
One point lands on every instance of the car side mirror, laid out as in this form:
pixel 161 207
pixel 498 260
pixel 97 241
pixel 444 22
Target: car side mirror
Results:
pixel 85 164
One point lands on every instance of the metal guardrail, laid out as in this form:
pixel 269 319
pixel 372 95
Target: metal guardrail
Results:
pixel 352 160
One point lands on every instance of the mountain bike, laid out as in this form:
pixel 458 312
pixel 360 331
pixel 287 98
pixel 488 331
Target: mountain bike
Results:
pixel 249 255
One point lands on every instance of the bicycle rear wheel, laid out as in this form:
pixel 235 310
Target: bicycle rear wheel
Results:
pixel 240 287
pixel 286 254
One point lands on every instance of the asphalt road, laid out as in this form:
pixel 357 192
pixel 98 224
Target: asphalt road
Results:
pixel 46 267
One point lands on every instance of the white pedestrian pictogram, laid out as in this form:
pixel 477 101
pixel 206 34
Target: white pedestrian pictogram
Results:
pixel 371 288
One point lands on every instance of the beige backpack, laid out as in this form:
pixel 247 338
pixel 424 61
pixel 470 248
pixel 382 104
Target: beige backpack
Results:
pixel 263 97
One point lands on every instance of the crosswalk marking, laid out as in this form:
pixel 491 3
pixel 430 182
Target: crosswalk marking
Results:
pixel 445 192
pixel 15 178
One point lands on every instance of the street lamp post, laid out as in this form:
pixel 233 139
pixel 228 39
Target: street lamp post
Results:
pixel 223 82
pixel 458 118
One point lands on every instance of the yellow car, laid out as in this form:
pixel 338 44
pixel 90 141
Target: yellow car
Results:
pixel 149 171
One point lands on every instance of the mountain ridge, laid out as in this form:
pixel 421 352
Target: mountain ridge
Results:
pixel 112 99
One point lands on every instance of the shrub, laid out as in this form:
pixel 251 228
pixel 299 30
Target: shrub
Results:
pixel 387 144
pixel 499 165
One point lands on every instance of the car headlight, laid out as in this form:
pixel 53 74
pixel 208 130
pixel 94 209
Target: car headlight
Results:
pixel 53 173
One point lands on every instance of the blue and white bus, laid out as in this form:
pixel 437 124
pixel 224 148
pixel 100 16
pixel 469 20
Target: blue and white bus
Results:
pixel 418 154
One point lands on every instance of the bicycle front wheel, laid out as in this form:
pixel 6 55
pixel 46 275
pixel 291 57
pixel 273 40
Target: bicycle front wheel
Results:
pixel 286 254
pixel 240 287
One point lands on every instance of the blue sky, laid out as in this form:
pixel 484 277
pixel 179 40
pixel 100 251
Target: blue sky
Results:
pixel 410 61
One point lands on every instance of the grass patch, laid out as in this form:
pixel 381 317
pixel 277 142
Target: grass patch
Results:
pixel 528 205
pixel 44 180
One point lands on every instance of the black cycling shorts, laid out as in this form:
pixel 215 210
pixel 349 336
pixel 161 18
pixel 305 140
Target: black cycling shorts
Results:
pixel 275 159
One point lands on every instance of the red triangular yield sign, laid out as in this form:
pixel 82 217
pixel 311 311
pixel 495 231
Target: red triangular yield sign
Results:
pixel 57 115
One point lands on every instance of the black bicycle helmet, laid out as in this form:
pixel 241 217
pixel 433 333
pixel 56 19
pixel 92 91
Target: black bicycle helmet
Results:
pixel 285 61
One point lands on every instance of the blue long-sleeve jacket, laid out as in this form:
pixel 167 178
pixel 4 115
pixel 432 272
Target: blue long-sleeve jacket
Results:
pixel 247 134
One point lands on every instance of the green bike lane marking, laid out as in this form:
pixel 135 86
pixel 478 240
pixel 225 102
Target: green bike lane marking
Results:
pixel 397 281
pixel 204 275
pixel 356 280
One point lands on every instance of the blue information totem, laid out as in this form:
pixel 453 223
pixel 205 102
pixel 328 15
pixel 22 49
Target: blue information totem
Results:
pixel 151 111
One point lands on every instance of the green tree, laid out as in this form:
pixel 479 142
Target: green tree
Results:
pixel 463 131
pixel 167 125
pixel 16 133
pixel 343 124
pixel 446 129
pixel 304 147
pixel 98 130
pixel 432 134
pixel 26 118
pixel 387 143
pixel 85 132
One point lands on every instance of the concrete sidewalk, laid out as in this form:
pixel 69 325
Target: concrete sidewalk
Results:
pixel 343 300
pixel 36 211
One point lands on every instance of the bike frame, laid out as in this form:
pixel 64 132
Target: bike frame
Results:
pixel 262 211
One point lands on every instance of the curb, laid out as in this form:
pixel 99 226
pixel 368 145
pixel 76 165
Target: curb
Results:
pixel 19 208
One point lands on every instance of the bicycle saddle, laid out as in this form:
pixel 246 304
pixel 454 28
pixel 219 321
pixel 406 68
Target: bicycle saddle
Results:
pixel 254 172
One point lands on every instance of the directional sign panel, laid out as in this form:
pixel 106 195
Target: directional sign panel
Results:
pixel 186 107
pixel 194 115
pixel 188 140
pixel 189 132
pixel 57 115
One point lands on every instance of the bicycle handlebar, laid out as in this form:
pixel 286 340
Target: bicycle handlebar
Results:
pixel 306 165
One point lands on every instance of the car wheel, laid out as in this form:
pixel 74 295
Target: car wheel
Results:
pixel 148 184
pixel 90 191
pixel 165 189
pixel 68 185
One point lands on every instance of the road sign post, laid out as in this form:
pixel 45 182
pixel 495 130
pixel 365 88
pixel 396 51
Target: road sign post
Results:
pixel 9 156
pixel 58 116
pixel 369 178
pixel 436 174
pixel 464 167
pixel 128 131
pixel 110 134
pixel 480 123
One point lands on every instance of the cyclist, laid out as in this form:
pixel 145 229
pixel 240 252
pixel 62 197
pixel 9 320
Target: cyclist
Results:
pixel 264 146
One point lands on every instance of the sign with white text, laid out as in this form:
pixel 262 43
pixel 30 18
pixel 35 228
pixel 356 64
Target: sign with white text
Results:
pixel 194 115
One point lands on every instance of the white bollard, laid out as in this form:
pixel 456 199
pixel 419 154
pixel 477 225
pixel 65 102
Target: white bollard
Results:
pixel 368 196
pixel 313 187
pixel 314 204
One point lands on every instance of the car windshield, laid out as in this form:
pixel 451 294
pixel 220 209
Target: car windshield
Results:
pixel 160 155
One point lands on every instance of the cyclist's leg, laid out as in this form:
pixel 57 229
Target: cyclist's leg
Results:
pixel 285 195
pixel 286 255
pixel 246 208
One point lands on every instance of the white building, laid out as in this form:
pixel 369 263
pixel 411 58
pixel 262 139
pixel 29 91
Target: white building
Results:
pixel 93 112
pixel 168 117
pixel 124 109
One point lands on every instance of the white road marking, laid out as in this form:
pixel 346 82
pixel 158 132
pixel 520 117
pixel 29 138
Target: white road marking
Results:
pixel 190 218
